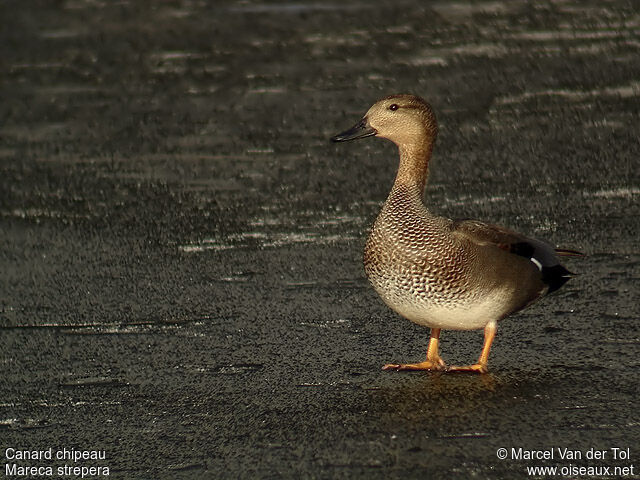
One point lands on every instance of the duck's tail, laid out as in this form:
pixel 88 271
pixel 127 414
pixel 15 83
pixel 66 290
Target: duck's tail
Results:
pixel 565 252
pixel 556 275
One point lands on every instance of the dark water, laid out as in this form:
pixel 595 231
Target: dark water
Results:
pixel 181 278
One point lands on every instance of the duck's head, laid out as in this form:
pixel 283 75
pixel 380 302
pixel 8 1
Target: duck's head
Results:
pixel 403 119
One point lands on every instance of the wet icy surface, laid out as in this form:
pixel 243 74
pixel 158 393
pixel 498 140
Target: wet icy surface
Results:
pixel 181 245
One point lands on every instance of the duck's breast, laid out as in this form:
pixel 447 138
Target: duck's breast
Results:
pixel 434 279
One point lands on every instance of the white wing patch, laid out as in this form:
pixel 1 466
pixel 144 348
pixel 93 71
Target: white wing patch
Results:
pixel 537 263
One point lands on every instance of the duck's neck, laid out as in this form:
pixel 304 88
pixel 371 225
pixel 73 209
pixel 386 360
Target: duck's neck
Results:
pixel 413 168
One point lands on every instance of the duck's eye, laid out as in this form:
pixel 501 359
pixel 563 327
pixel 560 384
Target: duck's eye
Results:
pixel 393 107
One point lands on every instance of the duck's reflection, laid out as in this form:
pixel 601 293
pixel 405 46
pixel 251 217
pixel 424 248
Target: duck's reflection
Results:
pixel 436 398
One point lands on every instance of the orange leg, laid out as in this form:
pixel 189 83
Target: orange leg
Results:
pixel 433 361
pixel 482 365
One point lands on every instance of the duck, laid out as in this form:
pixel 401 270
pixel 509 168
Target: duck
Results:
pixel 437 272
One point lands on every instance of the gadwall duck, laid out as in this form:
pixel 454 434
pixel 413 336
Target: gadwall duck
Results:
pixel 437 272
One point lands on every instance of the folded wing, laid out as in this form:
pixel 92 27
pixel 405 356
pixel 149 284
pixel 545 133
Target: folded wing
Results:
pixel 542 255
